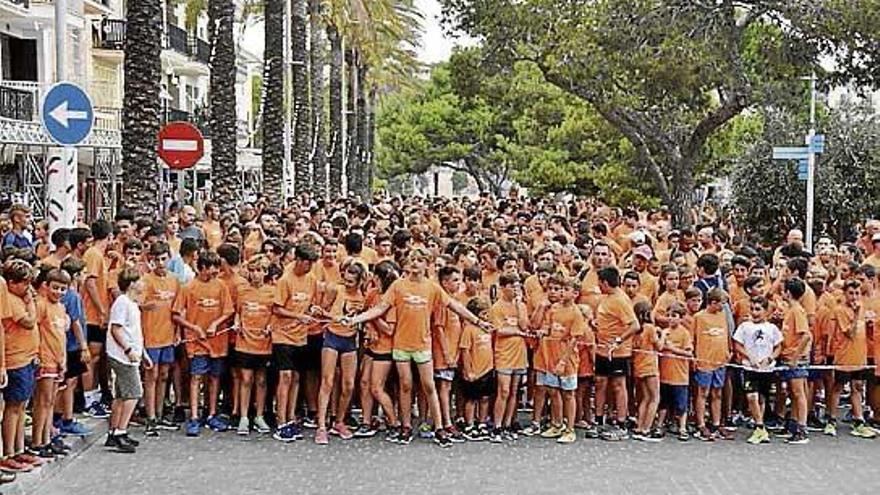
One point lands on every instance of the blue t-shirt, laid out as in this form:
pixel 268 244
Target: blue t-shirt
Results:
pixel 17 240
pixel 73 304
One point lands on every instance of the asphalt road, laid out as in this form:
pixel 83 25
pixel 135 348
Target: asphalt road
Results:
pixel 230 465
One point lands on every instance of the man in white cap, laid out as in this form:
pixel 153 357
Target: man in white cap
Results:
pixel 641 260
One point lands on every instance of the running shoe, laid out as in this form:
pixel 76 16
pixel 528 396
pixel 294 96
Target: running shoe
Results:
pixel 261 426
pixel 591 431
pixel 216 423
pixel 30 459
pixel 321 437
pixel 532 430
pixel 722 434
pixel 759 436
pixel 392 434
pixel 704 434
pixel 830 428
pixel 296 431
pixel 284 434
pixel 552 431
pixel 6 477
pixel 309 422
pixel 862 430
pixel 406 436
pixel 441 438
pixel 193 428
pixel 151 431
pixel 165 424
pixel 74 428
pixel 343 431
pixel 495 436
pixel 46 452
pixel 244 427
pixel 10 465
pixel 455 436
pixel 798 438
pixel 426 431
pixel 97 410
pixel 364 431
pixel 124 438
pixel 567 436
pixel 509 434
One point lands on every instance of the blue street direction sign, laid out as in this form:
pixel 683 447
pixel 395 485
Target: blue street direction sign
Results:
pixel 817 144
pixel 67 114
pixel 803 169
pixel 799 153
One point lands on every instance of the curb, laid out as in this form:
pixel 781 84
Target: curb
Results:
pixel 29 483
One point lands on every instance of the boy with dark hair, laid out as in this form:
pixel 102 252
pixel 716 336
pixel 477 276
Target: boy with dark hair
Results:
pixel 78 355
pixel 96 296
pixel 795 355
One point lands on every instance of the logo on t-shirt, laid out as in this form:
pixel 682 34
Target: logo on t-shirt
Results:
pixel 59 324
pixel 415 300
pixel 715 332
pixel 165 295
pixel 251 308
pixel 208 303
pixel 299 297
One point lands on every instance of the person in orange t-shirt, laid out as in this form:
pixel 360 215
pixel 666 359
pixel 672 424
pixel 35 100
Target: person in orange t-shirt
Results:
pixel 211 226
pixel 377 362
pixel 201 308
pixel 477 362
pixel 230 260
pixel 510 318
pixel 160 290
pixel 671 293
pixel 849 347
pixel 445 350
pixel 52 323
pixel 297 297
pixel 96 301
pixel 712 343
pixel 340 346
pixel 796 343
pixel 616 325
pixel 415 299
pixel 646 370
pixel 22 343
pixel 675 370
pixel 253 345
pixel 539 323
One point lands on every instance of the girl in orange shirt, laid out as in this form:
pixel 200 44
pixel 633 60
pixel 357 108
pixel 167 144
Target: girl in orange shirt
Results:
pixel 646 370
pixel 340 345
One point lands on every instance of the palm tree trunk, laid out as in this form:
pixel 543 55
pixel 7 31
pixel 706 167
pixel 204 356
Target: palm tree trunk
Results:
pixel 226 183
pixel 302 123
pixel 369 164
pixel 319 139
pixel 273 103
pixel 362 135
pixel 352 160
pixel 141 106
pixel 336 121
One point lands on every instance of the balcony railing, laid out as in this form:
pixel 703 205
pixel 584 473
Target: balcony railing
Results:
pixel 109 34
pixel 202 50
pixel 178 39
pixel 200 118
pixel 108 118
pixel 18 101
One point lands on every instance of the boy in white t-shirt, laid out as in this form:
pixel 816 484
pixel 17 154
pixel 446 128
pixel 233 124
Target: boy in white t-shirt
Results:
pixel 125 350
pixel 758 343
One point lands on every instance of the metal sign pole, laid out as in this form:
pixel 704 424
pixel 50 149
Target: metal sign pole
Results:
pixel 811 165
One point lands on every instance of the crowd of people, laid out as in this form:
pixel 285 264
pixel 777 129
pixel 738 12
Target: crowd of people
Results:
pixel 452 319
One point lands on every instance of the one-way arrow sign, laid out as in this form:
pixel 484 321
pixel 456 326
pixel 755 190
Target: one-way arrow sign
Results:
pixel 67 114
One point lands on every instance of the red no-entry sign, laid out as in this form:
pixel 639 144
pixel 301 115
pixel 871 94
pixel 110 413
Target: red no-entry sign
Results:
pixel 180 145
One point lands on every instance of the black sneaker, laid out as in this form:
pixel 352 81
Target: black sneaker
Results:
pixel 59 445
pixel 798 438
pixel 179 415
pixel 441 438
pixel 124 438
pixel 125 448
pixel 392 434
pixel 112 441
pixel 46 452
pixel 495 436
pixel 815 424
pixel 406 436
pixel 58 451
pixel 165 424
pixel 151 430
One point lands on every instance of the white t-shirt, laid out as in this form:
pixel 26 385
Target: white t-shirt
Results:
pixel 127 315
pixel 759 339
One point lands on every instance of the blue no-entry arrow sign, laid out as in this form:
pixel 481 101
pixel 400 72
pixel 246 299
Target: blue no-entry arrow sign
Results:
pixel 817 144
pixel 67 114
pixel 803 169
pixel 785 153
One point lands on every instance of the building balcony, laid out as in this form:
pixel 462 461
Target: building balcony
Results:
pixel 19 100
pixel 14 8
pixel 202 50
pixel 177 39
pixel 199 118
pixel 108 34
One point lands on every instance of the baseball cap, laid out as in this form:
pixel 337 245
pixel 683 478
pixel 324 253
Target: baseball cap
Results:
pixel 644 251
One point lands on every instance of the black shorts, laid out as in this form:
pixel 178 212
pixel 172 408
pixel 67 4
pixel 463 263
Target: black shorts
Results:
pixel 386 357
pixel 96 334
pixel 75 366
pixel 481 388
pixel 841 377
pixel 614 367
pixel 314 345
pixel 755 382
pixel 248 361
pixel 287 357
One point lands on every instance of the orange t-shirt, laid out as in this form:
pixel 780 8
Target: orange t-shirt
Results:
pixel 664 301
pixel 414 303
pixel 567 323
pixel 645 360
pixel 648 285
pixel 712 341
pixel 587 354
pixel 97 267
pixel 379 342
pixel 590 293
pixel 675 370
pixel 328 274
pixel 254 310
pixel 157 324
pixel 451 323
pixel 476 348
pixel 871 304
pixel 510 351
pixel 533 292
pixel 345 304
pixel 613 318
pixel 850 353
pixel 794 325
pixel 213 233
pixel 52 322
pixel 296 293
pixel 203 303
pixel 22 344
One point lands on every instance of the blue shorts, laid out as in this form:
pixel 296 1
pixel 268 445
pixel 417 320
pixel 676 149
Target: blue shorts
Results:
pixel 342 345
pixel 794 373
pixel 206 365
pixel 567 383
pixel 161 355
pixel 674 398
pixel 710 379
pixel 20 386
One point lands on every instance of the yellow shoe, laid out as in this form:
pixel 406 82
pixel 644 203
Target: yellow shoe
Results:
pixel 552 431
pixel 568 436
pixel 863 431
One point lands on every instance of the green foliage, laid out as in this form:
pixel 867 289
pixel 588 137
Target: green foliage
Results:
pixel 770 199
pixel 511 125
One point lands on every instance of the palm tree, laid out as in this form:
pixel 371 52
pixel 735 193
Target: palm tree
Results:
pixel 302 123
pixel 316 67
pixel 352 158
pixel 336 117
pixel 142 105
pixel 226 184
pixel 273 102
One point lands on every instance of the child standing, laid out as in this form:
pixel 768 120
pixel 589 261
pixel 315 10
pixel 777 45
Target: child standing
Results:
pixel 125 351
pixel 674 370
pixel 478 369
pixel 646 370
pixel 711 338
